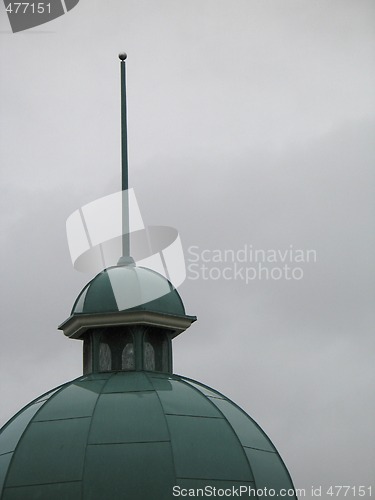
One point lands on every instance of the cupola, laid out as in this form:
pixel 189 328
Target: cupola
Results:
pixel 127 317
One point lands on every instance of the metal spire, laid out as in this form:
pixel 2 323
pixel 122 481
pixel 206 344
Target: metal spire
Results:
pixel 125 259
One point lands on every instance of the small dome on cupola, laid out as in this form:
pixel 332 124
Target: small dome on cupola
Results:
pixel 121 288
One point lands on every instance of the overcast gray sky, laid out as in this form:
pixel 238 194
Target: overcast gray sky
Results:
pixel 251 122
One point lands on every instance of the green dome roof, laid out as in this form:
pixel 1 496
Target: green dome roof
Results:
pixel 123 288
pixel 133 435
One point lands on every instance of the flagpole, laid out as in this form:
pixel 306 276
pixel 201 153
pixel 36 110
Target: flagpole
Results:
pixel 125 259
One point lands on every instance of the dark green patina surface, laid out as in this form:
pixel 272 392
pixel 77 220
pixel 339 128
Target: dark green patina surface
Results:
pixel 133 435
pixel 128 288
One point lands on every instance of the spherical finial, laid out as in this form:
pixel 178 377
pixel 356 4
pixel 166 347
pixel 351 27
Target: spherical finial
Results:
pixel 122 56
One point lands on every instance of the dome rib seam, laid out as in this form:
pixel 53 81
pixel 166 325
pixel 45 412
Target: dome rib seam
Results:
pixel 129 442
pixel 259 449
pixel 275 451
pixel 166 423
pixel 35 401
pixel 229 424
pixel 89 431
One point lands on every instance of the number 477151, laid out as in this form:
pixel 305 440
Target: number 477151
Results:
pixel 361 491
pixel 22 7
